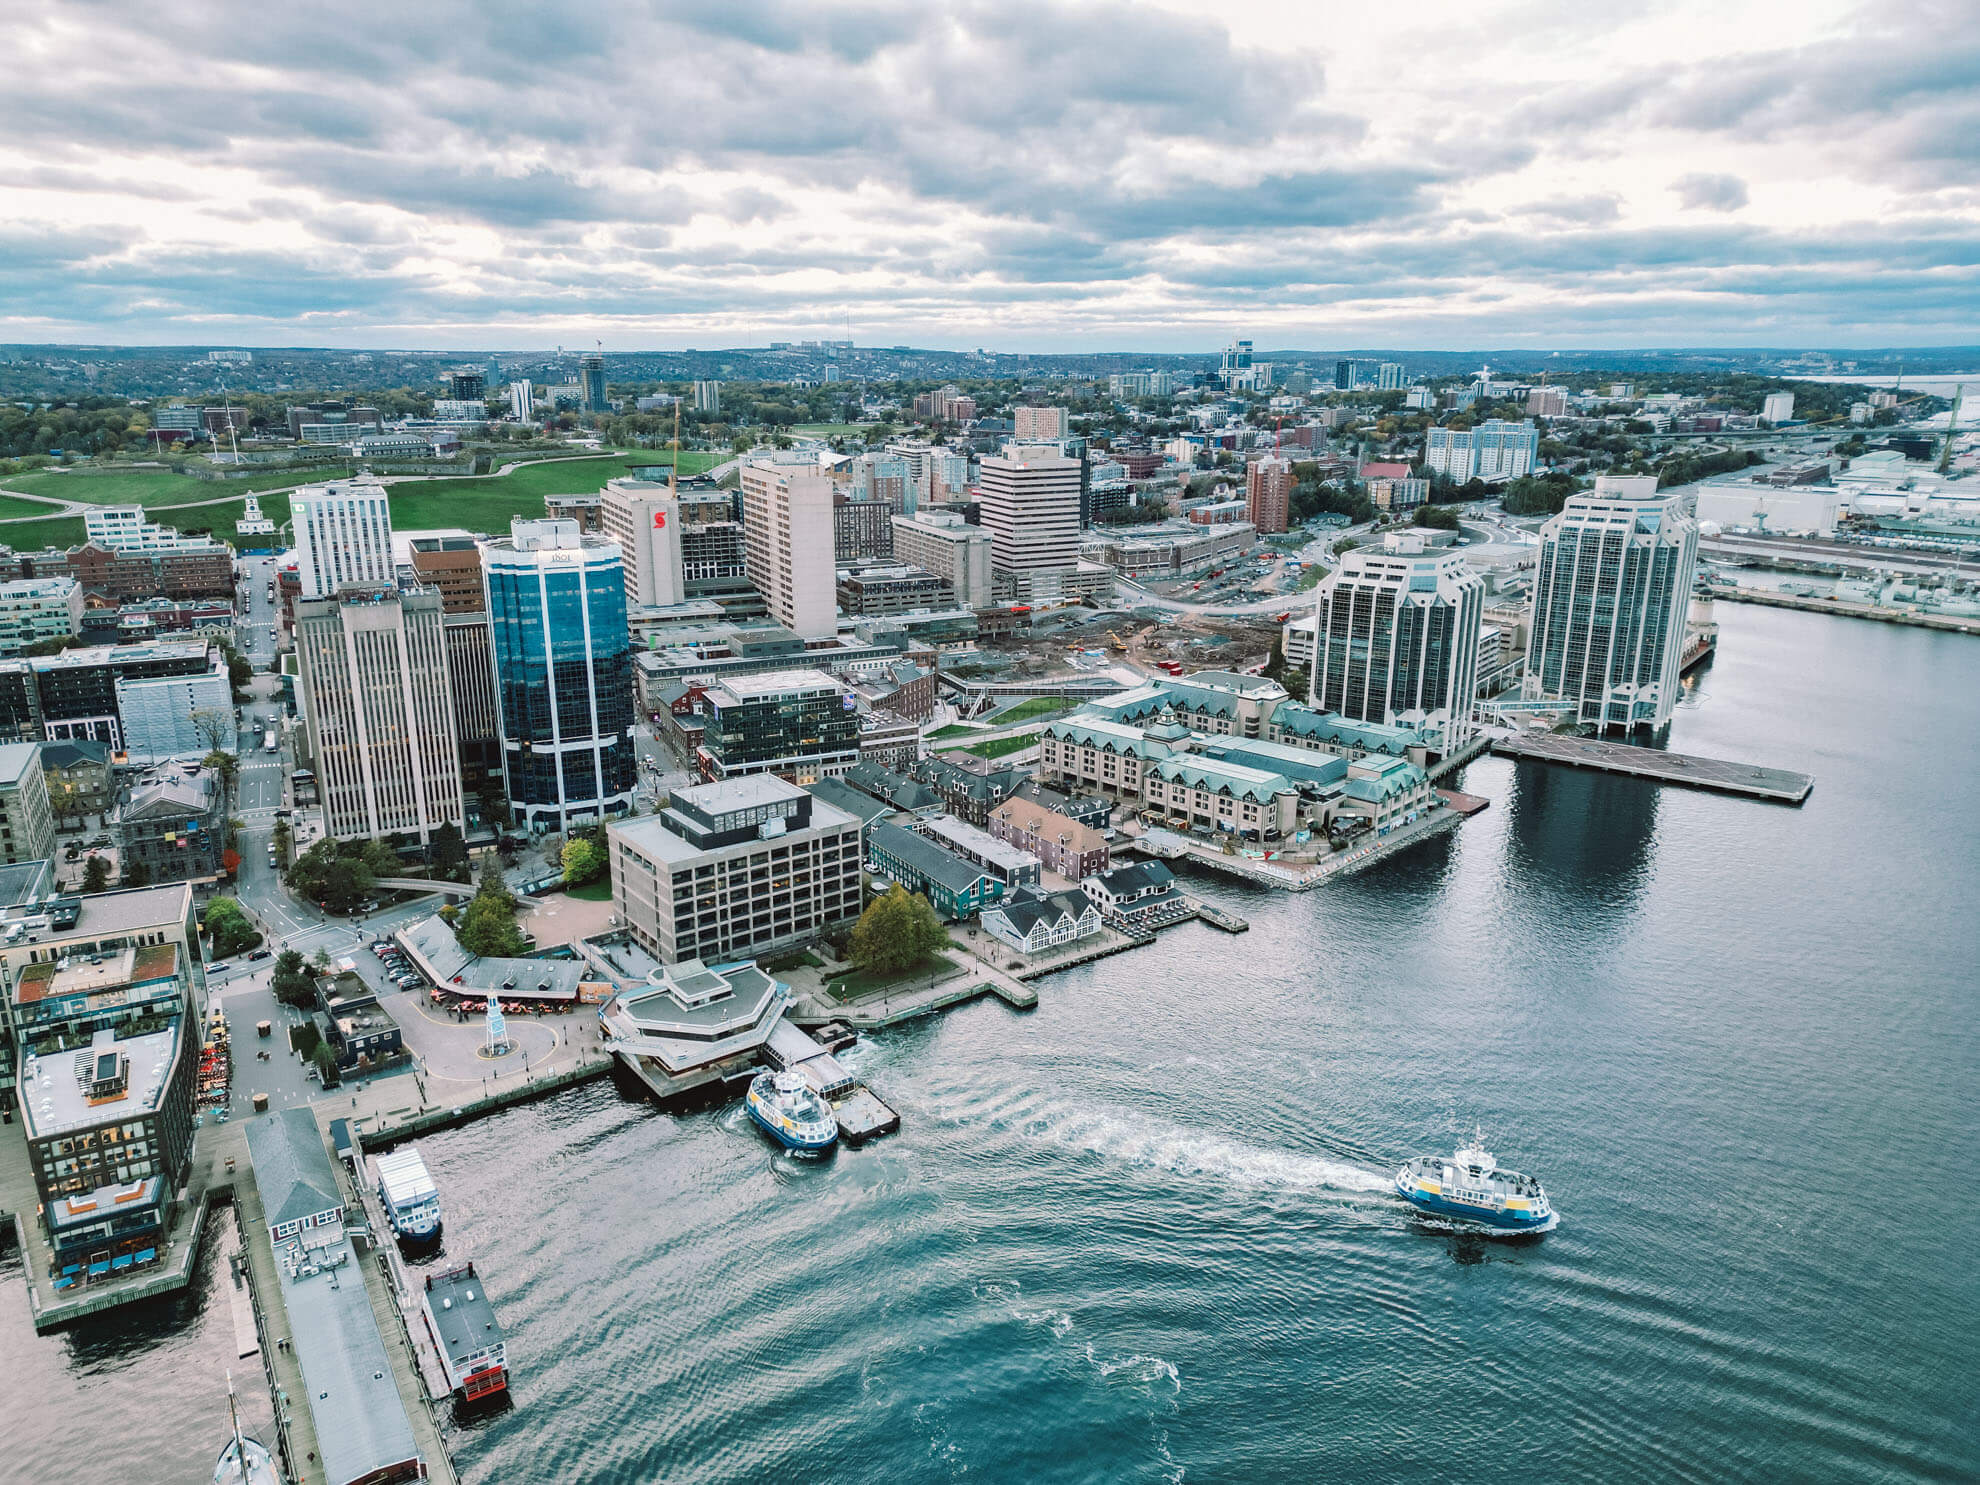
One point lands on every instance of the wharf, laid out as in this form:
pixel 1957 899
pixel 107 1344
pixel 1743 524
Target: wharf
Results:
pixel 402 1286
pixel 1452 761
pixel 1300 876
pixel 862 1116
pixel 1915 618
pixel 1216 917
pixel 381 1128
pixel 295 1428
pixel 1717 775
pixel 207 1182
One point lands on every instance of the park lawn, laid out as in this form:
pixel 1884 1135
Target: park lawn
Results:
pixel 488 502
pixel 12 508
pixel 831 430
pixel 598 890
pixel 220 519
pixel 954 729
pixel 997 747
pixel 116 485
pixel 863 984
pixel 1037 706
pixel 30 536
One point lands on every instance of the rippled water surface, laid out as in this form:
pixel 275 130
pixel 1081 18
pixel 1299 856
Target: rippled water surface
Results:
pixel 1143 1233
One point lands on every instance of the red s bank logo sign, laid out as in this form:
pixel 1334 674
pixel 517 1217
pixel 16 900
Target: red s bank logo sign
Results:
pixel 659 520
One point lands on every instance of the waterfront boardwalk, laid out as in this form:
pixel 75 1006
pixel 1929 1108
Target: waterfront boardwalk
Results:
pixel 1718 775
pixel 1295 876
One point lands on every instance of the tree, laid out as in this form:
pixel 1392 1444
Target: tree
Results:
pixel 214 725
pixel 487 926
pixel 583 861
pixel 223 763
pixel 229 929
pixel 446 853
pixel 137 875
pixel 96 874
pixel 293 984
pixel 897 931
pixel 1438 517
pixel 325 1059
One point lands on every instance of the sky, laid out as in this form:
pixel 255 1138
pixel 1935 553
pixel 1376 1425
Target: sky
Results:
pixel 1021 176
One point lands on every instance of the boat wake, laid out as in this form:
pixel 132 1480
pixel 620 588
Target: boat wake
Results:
pixel 1137 1140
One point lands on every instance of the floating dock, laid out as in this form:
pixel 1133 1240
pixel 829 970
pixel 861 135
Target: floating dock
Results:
pixel 1216 917
pixel 1717 775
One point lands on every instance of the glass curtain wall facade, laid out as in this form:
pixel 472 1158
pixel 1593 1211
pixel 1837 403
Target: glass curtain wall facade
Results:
pixel 1397 640
pixel 1610 595
pixel 563 677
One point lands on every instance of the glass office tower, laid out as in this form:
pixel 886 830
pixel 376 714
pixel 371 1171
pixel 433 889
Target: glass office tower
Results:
pixel 563 674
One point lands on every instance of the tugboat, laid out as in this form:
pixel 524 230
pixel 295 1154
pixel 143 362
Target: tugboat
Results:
pixel 463 1326
pixel 790 1112
pixel 244 1460
pixel 1470 1187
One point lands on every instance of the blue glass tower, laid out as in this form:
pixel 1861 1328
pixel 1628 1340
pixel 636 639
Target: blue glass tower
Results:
pixel 563 673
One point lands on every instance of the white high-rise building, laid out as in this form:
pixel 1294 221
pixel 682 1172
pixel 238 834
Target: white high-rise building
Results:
pixel 707 397
pixel 1778 407
pixel 1391 377
pixel 1610 594
pixel 343 536
pixel 126 528
pixel 1030 497
pixel 789 545
pixel 522 401
pixel 645 520
pixel 943 543
pixel 378 703
pixel 1496 450
pixel 1397 637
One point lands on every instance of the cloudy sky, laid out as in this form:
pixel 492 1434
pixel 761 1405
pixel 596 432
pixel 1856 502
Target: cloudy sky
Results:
pixel 1017 175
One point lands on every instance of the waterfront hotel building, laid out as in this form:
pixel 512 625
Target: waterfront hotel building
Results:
pixel 1610 595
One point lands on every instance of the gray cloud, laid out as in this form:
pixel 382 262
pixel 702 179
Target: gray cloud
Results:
pixel 1704 192
pixel 1038 168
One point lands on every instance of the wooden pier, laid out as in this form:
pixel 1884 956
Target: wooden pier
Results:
pixel 1716 775
pixel 1216 917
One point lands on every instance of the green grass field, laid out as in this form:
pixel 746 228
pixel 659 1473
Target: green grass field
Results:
pixel 596 891
pixel 487 503
pixel 31 536
pixel 153 487
pixel 1025 711
pixel 997 747
pixel 23 508
pixel 829 430
pixel 220 519
pixel 954 729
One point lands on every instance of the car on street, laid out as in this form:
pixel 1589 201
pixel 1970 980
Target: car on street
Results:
pixel 262 954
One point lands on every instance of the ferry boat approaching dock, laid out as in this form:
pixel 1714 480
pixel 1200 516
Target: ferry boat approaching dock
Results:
pixel 784 1104
pixel 1470 1187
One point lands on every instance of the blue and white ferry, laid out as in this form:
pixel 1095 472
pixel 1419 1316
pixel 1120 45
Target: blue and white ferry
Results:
pixel 790 1112
pixel 1471 1187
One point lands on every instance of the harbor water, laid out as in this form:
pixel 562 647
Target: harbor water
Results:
pixel 1145 1232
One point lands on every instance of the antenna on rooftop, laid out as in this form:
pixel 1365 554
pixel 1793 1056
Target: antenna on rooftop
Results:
pixel 1952 427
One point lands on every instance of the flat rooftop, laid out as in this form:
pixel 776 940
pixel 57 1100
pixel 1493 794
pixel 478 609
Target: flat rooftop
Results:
pixel 361 1424
pixel 776 683
pixel 61 978
pixel 55 1096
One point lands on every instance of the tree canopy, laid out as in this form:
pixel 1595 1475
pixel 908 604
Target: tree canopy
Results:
pixel 487 926
pixel 897 931
pixel 229 929
pixel 293 984
pixel 583 861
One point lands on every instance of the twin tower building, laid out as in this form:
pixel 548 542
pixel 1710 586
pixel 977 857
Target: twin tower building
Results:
pixel 423 682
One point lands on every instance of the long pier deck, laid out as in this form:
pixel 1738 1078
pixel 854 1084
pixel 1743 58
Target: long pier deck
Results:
pixel 1717 775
